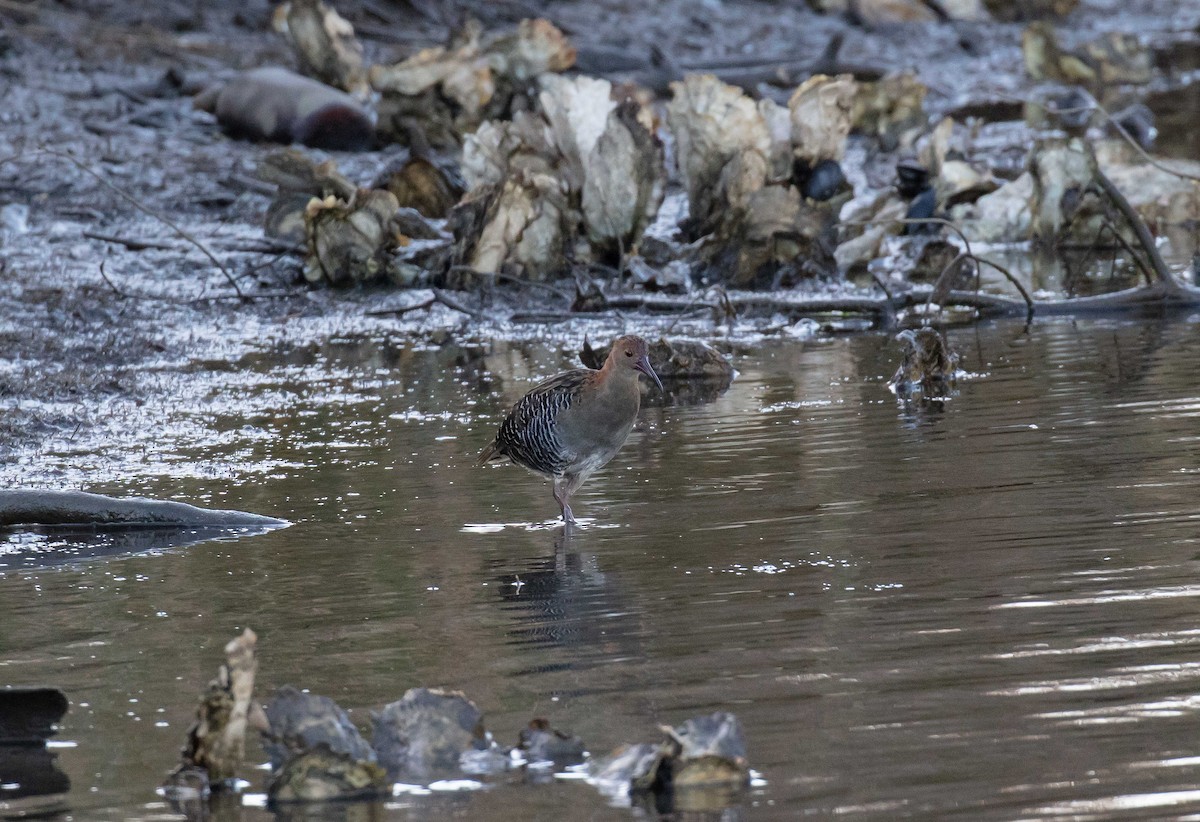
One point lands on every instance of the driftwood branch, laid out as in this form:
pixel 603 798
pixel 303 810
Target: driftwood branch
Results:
pixel 1156 296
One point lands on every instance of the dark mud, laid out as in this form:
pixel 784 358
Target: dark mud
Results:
pixel 113 321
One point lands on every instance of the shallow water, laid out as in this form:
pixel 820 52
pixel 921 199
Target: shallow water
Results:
pixel 985 609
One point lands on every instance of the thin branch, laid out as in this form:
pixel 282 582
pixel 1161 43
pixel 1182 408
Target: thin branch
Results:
pixel 104 276
pixel 130 243
pixel 1140 230
pixel 499 275
pixel 1008 275
pixel 454 304
pixel 1129 138
pixel 1142 265
pixel 939 284
pixel 129 295
pixel 966 244
pixel 402 310
pixel 439 296
pixel 148 212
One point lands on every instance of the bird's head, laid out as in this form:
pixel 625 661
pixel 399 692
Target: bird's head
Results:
pixel 632 352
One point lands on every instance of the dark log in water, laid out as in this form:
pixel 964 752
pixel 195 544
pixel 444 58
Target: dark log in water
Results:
pixel 28 715
pixel 36 507
pixel 34 785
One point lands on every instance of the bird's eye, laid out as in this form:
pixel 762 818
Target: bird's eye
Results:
pixel 628 353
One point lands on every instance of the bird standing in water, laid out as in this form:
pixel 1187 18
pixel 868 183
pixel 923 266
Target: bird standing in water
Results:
pixel 569 425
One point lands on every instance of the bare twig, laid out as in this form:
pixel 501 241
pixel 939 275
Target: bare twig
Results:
pixel 402 310
pixel 1008 275
pixel 966 244
pixel 104 276
pixel 439 296
pixel 1142 265
pixel 941 285
pixel 1140 230
pixel 128 295
pixel 1129 138
pixel 454 304
pixel 148 212
pixel 130 243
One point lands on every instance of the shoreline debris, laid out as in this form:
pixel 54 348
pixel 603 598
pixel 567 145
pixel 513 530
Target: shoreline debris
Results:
pixel 29 506
pixel 277 105
pixel 216 742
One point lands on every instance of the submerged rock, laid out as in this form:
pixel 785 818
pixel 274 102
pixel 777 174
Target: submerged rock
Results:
pixel 300 722
pixel 625 765
pixel 424 735
pixel 316 753
pixel 319 774
pixel 700 766
pixel 539 742
pixel 707 750
pixel 928 365
pixel 278 105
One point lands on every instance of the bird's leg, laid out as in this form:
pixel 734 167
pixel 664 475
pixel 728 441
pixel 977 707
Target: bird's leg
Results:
pixel 564 486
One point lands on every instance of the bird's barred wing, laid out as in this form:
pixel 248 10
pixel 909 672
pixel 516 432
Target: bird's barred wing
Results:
pixel 528 435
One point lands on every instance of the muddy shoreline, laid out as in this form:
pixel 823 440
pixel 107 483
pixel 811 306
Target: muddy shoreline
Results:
pixel 112 320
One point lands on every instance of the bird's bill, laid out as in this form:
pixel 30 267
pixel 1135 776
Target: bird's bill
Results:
pixel 643 365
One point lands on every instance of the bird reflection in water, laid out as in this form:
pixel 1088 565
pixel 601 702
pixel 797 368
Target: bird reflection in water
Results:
pixel 566 601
